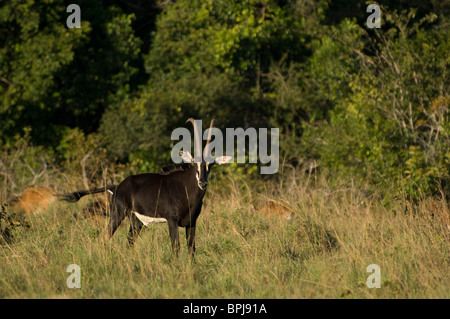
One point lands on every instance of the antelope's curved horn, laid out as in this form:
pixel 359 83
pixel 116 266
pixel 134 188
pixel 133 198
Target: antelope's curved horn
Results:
pixel 208 140
pixel 197 140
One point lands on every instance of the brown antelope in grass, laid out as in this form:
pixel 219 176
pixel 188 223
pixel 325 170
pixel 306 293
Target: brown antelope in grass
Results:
pixel 33 200
pixel 276 210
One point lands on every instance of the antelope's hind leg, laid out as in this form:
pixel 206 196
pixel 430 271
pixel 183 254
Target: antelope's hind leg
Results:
pixel 116 216
pixel 135 229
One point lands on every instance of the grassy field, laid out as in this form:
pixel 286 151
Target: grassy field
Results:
pixel 323 252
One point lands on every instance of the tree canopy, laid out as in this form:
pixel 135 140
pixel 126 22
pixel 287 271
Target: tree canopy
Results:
pixel 367 103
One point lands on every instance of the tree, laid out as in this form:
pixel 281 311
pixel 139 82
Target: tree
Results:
pixel 392 127
pixel 53 76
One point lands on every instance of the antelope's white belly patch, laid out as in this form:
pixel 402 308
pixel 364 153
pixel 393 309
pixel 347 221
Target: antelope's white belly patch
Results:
pixel 149 220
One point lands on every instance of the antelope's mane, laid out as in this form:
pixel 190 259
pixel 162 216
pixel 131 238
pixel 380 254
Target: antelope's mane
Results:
pixel 175 167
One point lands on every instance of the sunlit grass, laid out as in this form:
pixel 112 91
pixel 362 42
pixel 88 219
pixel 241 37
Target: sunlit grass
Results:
pixel 322 253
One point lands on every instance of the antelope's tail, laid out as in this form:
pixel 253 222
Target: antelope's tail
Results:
pixel 75 196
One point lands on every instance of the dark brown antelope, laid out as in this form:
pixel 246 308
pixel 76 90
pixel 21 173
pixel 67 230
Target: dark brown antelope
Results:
pixel 174 196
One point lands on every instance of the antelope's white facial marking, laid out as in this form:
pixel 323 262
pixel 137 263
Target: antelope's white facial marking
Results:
pixel 198 182
pixel 202 175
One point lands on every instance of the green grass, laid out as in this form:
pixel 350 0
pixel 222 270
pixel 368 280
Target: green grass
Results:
pixel 323 253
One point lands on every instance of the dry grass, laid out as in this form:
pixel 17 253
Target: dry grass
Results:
pixel 323 252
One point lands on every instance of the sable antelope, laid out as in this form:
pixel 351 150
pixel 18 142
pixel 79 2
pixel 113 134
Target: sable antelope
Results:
pixel 174 196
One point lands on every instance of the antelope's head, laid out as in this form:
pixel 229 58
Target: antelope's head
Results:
pixel 203 168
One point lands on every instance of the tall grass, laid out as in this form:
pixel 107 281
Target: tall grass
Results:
pixel 323 252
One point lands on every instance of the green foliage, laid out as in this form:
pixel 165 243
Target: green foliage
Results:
pixel 232 36
pixel 35 46
pixel 392 121
pixel 83 154
pixel 102 75
pixel 367 104
pixel 23 164
pixel 53 75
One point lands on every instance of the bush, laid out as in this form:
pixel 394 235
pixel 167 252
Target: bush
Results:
pixel 9 222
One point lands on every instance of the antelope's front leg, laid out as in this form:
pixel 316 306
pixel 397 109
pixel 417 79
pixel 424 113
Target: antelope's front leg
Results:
pixel 190 238
pixel 174 237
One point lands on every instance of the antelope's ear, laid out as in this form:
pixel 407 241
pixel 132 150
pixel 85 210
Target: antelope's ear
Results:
pixel 223 159
pixel 186 157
